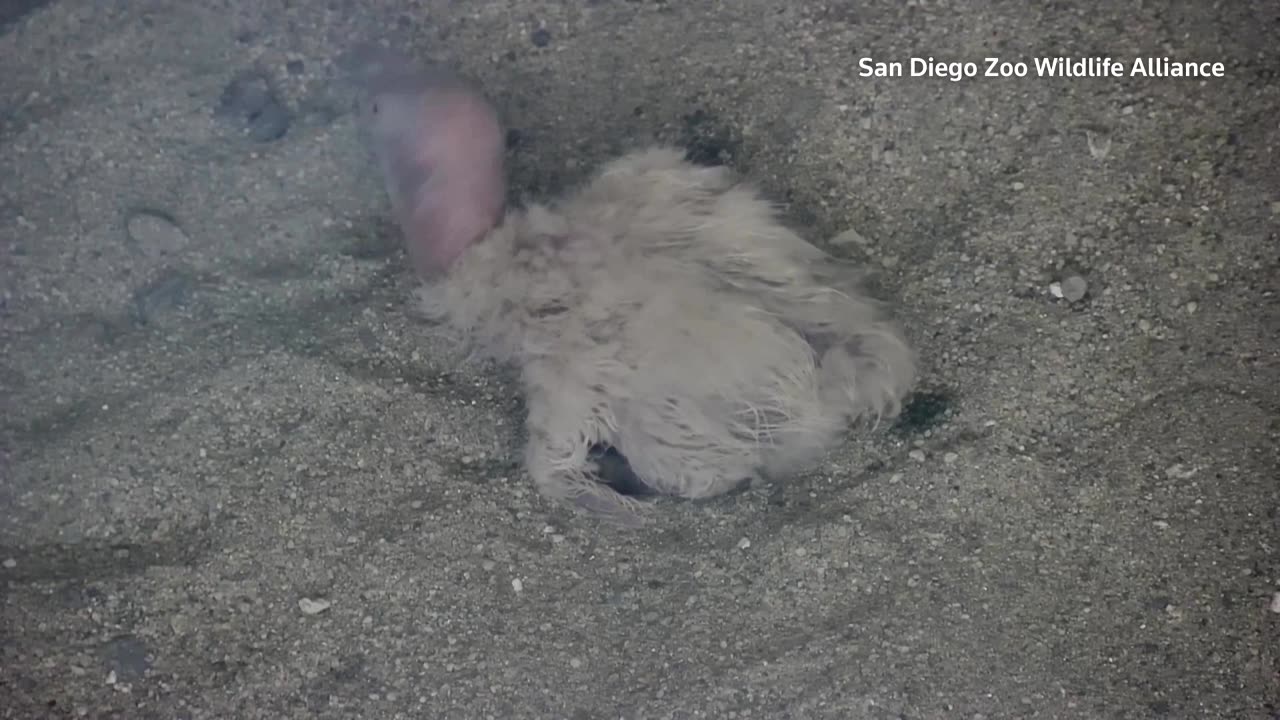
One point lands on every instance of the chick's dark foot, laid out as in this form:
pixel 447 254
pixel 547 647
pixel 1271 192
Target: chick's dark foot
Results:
pixel 614 471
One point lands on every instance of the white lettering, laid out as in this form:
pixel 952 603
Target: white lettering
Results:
pixel 953 71
pixel 869 68
pixel 995 68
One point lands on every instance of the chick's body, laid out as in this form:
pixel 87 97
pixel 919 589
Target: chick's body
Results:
pixel 663 310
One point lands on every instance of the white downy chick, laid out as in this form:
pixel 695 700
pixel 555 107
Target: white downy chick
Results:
pixel 661 309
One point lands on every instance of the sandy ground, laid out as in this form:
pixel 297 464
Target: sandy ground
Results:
pixel 242 480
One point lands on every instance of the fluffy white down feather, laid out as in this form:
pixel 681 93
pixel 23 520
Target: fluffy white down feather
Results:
pixel 664 310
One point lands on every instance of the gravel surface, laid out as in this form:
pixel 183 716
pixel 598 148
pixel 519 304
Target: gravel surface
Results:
pixel 239 478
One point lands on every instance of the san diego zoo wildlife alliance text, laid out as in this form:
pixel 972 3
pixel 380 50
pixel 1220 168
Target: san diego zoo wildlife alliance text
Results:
pixel 1043 67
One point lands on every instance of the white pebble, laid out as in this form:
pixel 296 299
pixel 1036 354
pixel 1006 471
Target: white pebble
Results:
pixel 849 237
pixel 950 458
pixel 744 543
pixel 575 663
pixel 1275 603
pixel 1161 524
pixel 313 607
pixel 1074 288
pixel 917 455
pixel 10 563
pixel 517 585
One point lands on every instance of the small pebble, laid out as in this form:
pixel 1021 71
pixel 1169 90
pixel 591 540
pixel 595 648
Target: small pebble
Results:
pixel 313 607
pixel 849 237
pixel 517 585
pixel 1275 603
pixel 917 455
pixel 1099 144
pixel 10 563
pixel 1018 186
pixel 744 543
pixel 575 663
pixel 1074 288
pixel 1192 307
pixel 249 101
pixel 126 656
pixel 1161 524
pixel 950 458
pixel 155 234
pixel 170 290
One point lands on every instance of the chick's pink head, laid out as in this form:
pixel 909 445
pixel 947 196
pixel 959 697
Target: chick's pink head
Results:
pixel 441 147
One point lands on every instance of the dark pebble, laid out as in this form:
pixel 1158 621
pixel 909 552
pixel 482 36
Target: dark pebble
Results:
pixel 166 294
pixel 249 101
pixel 126 655
pixel 11 11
